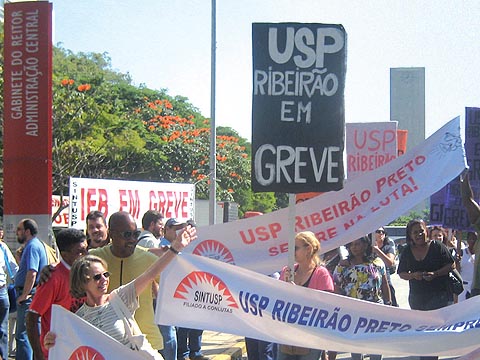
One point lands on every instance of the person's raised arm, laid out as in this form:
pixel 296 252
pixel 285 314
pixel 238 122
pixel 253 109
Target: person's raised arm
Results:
pixel 473 209
pixel 184 238
pixel 388 259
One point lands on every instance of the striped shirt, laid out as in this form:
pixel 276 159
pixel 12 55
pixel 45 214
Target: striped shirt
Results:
pixel 105 318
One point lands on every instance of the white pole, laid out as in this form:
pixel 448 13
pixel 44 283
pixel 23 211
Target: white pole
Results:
pixel 291 234
pixel 213 132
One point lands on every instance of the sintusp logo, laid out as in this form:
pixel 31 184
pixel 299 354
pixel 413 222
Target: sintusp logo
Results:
pixel 214 250
pixel 204 290
pixel 86 353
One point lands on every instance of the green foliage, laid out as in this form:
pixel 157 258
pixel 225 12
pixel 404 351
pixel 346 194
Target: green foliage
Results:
pixel 264 202
pixel 186 145
pixel 403 220
pixel 105 127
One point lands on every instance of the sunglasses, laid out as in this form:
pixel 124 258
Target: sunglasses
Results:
pixel 97 277
pixel 380 232
pixel 130 234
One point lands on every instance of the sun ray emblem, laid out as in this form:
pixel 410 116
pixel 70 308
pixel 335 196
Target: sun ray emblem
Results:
pixel 214 250
pixel 86 353
pixel 205 282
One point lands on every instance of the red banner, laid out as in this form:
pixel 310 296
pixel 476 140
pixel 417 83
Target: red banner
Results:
pixel 28 108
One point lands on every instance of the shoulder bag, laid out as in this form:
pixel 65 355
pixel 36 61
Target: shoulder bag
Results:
pixel 455 282
pixel 138 341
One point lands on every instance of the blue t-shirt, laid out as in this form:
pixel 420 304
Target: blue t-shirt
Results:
pixel 34 257
pixel 164 242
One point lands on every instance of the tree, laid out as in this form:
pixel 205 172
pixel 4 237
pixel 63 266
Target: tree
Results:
pixel 187 150
pixel 404 219
pixel 105 127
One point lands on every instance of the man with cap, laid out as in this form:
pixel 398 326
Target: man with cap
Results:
pixel 170 231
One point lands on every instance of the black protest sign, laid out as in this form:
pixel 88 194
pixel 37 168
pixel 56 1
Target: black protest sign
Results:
pixel 298 117
pixel 446 207
pixel 472 144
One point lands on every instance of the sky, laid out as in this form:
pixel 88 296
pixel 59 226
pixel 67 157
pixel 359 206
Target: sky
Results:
pixel 167 45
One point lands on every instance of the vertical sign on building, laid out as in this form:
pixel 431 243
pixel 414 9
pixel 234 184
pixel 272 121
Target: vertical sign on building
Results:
pixel 28 115
pixel 298 116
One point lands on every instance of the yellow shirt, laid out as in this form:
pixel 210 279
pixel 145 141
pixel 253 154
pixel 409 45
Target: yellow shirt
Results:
pixel 124 270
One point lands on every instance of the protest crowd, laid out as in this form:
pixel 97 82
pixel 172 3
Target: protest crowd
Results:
pixel 110 278
pixel 124 291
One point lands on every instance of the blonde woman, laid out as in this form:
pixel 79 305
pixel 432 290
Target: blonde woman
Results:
pixel 308 273
pixel 89 277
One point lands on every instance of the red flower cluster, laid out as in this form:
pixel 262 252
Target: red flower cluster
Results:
pixel 66 82
pixel 84 87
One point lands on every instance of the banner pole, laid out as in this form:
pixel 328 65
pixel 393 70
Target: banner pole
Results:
pixel 291 235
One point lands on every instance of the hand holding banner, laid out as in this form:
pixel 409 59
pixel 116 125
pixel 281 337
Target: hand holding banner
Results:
pixel 197 292
pixel 337 218
pixel 377 197
pixel 77 339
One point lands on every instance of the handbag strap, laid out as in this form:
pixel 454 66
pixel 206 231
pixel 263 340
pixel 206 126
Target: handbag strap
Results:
pixel 123 313
pixel 7 262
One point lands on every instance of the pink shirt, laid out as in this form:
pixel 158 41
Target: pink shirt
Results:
pixel 320 279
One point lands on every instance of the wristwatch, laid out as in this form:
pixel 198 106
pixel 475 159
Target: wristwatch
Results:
pixel 172 249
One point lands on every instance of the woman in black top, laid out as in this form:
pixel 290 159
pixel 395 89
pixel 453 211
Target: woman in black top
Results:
pixel 425 264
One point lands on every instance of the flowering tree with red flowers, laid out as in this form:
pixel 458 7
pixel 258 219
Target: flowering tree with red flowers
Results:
pixel 187 150
pixel 106 128
pixel 91 137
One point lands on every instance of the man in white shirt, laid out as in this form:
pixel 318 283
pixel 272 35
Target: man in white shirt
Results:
pixel 152 223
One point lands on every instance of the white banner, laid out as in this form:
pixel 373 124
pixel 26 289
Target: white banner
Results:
pixel 77 339
pixel 376 198
pixel 201 293
pixel 369 146
pixel 61 220
pixel 135 197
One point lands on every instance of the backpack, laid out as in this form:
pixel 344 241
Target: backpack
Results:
pixel 52 257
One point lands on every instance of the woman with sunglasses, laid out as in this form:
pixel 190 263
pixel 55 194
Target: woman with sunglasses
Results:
pixel 307 273
pixel 362 276
pixel 89 277
pixel 385 251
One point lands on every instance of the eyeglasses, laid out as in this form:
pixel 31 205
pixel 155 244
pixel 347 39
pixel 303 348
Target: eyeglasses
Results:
pixel 380 232
pixel 299 247
pixel 130 234
pixel 97 277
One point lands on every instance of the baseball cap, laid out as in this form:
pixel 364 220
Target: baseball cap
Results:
pixel 191 223
pixel 173 222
